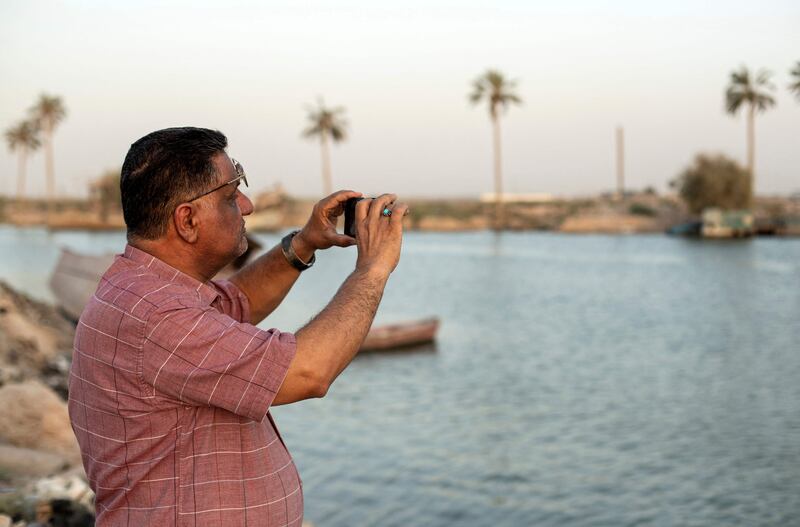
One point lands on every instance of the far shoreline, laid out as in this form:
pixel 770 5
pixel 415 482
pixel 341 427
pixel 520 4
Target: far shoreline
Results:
pixel 634 213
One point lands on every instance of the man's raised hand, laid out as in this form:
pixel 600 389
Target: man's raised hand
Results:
pixel 379 236
pixel 319 231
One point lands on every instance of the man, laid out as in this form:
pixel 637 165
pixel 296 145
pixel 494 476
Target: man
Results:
pixel 171 382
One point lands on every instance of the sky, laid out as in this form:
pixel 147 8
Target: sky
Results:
pixel 403 72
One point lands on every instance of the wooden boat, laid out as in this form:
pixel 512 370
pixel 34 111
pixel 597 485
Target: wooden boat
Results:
pixel 689 228
pixel 401 335
pixel 75 277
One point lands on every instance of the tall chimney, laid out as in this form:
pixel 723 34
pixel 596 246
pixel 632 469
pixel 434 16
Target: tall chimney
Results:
pixel 620 163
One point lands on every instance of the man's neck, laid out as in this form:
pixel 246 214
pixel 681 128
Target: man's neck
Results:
pixel 177 255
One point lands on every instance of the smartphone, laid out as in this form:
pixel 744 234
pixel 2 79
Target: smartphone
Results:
pixel 350 216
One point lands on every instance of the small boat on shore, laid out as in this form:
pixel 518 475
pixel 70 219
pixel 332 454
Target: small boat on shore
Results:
pixel 75 279
pixel 689 228
pixel 401 335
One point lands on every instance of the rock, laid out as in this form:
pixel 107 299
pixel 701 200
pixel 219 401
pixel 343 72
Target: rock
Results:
pixel 15 505
pixel 22 463
pixel 33 416
pixel 35 341
pixel 70 487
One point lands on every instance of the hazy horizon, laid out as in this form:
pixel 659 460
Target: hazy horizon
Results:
pixel 403 71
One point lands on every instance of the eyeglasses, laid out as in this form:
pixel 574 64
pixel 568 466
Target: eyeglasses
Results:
pixel 241 176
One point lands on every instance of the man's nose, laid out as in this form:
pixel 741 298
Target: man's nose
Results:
pixel 245 205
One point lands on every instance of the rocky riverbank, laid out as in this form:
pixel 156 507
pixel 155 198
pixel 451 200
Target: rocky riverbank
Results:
pixel 41 477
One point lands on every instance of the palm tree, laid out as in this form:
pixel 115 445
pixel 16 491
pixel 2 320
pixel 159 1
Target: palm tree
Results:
pixel 498 92
pixel 24 138
pixel 324 123
pixel 743 89
pixel 47 113
pixel 795 85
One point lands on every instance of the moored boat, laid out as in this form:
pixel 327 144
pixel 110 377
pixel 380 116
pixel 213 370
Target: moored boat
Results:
pixel 718 223
pixel 75 279
pixel 401 335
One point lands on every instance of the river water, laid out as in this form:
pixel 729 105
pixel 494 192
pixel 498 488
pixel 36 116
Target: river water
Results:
pixel 576 381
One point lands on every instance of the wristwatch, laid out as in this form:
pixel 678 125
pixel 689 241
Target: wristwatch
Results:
pixel 291 256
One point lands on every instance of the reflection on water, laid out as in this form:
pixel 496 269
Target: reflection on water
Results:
pixel 576 380
pixel 401 352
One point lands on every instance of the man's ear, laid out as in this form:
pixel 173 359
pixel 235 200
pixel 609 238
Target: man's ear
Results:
pixel 186 222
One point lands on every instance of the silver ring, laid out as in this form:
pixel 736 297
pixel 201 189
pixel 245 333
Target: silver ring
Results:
pixel 386 212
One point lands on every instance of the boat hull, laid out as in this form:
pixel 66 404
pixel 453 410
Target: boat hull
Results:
pixel 401 335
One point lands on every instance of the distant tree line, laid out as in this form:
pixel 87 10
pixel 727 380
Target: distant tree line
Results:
pixel 709 181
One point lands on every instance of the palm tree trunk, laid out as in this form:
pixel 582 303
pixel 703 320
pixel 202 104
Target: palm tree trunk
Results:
pixel 22 162
pixel 499 208
pixel 751 149
pixel 326 165
pixel 49 170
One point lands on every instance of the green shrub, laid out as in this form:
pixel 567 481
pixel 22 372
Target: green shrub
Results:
pixel 714 181
pixel 640 209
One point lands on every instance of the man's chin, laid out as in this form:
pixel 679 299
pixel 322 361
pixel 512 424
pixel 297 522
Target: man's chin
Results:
pixel 244 243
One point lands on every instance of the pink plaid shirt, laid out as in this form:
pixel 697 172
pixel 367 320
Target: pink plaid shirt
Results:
pixel 169 398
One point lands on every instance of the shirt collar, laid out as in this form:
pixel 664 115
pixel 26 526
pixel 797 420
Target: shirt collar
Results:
pixel 207 292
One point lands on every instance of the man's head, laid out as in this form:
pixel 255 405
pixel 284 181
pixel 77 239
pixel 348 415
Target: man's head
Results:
pixel 163 169
pixel 180 191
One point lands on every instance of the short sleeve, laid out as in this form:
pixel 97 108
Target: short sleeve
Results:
pixel 201 356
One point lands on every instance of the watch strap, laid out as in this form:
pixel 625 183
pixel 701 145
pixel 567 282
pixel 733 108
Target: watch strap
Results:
pixel 291 256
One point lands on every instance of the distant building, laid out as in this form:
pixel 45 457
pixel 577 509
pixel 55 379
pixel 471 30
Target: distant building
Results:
pixel 507 197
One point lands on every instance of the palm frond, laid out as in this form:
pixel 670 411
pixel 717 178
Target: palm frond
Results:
pixel 764 102
pixel 338 134
pixel 324 120
pixel 733 100
pixel 312 131
pixel 23 134
pixel 743 88
pixel 48 111
pixel 496 89
pixel 795 84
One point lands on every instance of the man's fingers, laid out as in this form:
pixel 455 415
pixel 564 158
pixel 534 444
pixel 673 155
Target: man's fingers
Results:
pixel 341 196
pixel 362 208
pixel 335 202
pixel 398 211
pixel 341 240
pixel 380 203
